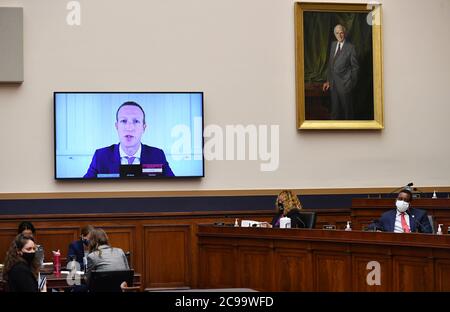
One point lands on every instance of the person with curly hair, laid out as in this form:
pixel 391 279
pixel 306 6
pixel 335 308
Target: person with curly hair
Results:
pixel 21 267
pixel 286 203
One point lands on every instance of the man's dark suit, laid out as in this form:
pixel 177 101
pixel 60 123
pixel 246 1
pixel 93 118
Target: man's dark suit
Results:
pixel 418 221
pixel 342 74
pixel 107 160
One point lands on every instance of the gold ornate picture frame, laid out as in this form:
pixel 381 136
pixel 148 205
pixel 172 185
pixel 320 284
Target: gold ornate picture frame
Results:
pixel 339 66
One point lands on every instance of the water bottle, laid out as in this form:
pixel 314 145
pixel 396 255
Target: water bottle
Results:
pixel 348 228
pixel 57 262
pixel 285 223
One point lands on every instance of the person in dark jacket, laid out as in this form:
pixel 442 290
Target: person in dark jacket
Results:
pixel 21 267
pixel 78 249
pixel 403 219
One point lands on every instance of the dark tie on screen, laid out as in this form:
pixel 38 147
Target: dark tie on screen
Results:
pixel 130 159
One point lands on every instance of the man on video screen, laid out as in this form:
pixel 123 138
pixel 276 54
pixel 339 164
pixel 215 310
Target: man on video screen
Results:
pixel 130 125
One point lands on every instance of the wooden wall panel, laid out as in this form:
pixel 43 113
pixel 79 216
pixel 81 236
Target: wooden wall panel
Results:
pixel 56 238
pixel 217 267
pixel 252 271
pixel 331 271
pixel 360 273
pixel 167 255
pixel 407 262
pixel 6 237
pixel 133 232
pixel 123 237
pixel 413 274
pixel 292 270
pixel 365 210
pixel 442 277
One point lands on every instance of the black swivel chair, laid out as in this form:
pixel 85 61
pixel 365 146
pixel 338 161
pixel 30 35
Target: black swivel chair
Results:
pixel 302 219
pixel 109 281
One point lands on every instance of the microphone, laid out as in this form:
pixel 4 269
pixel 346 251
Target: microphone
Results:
pixel 375 225
pixel 417 223
pixel 406 187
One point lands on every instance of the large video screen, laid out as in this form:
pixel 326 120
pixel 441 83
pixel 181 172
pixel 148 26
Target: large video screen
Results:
pixel 128 135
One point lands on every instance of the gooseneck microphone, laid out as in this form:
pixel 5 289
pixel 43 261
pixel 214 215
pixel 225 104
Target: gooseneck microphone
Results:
pixel 406 187
pixel 418 225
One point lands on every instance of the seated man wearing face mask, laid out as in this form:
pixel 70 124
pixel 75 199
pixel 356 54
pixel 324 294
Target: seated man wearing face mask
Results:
pixel 78 249
pixel 403 219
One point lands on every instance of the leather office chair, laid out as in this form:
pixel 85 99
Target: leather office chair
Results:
pixel 302 219
pixel 110 281
pixel 309 219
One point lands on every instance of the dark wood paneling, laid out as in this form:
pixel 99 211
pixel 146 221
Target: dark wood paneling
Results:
pixel 129 231
pixel 331 271
pixel 252 268
pixel 124 237
pixel 408 262
pixel 442 271
pixel 217 266
pixel 167 255
pixel 53 239
pixel 6 237
pixel 413 274
pixel 361 272
pixel 292 272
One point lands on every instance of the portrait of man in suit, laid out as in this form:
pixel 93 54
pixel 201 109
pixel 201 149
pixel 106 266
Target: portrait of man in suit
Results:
pixel 342 75
pixel 338 59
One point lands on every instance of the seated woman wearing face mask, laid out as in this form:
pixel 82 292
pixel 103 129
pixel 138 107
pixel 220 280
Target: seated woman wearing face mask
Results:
pixel 403 219
pixel 78 249
pixel 21 267
pixel 287 204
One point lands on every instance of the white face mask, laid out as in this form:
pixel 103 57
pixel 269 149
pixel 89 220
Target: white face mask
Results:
pixel 402 206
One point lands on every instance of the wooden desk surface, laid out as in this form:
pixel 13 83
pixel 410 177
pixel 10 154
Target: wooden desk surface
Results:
pixel 321 260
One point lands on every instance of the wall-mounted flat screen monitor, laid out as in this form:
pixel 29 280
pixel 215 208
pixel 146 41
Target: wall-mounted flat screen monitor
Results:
pixel 128 135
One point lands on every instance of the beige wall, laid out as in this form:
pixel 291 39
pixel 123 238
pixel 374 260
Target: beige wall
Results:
pixel 241 54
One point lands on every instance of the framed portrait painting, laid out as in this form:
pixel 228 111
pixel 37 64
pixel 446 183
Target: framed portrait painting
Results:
pixel 339 66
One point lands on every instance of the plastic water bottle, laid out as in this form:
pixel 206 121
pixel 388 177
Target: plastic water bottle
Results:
pixel 57 262
pixel 434 195
pixel 236 223
pixel 347 227
pixel 439 231
pixel 285 223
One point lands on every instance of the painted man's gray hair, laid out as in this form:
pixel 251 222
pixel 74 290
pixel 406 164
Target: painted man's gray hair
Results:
pixel 339 25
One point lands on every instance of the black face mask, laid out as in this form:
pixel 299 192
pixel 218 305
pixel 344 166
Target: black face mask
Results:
pixel 280 207
pixel 28 256
pixel 85 241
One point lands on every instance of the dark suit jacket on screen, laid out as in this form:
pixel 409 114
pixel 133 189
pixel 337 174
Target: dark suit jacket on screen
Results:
pixel 107 160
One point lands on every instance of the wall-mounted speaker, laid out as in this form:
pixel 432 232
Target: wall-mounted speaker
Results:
pixel 11 45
